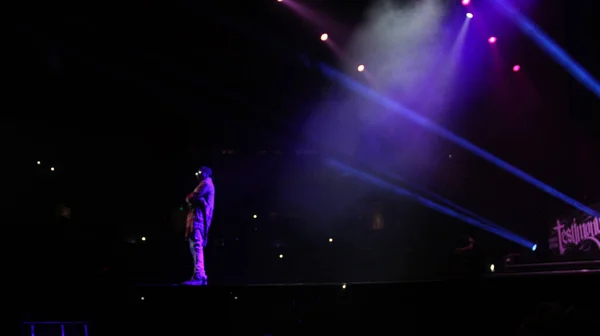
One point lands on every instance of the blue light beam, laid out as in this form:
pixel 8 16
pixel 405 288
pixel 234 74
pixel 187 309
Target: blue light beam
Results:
pixel 430 204
pixel 415 117
pixel 549 46
pixel 438 198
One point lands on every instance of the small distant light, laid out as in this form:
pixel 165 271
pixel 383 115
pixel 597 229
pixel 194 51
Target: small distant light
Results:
pixel 449 156
pixel 492 40
pixel 324 37
pixel 180 208
pixel 143 238
pixel 39 162
pixel 361 68
pixel 469 15
pixel 344 286
pixel 331 240
pixel 516 68
pixel 466 2
pixel 279 0
pixel 492 268
pixel 254 216
pixel 281 256
pixel 142 298
pixel 534 247
pixel 52 168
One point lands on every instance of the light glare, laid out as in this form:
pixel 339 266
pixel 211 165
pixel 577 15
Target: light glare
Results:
pixel 324 37
pixel 492 39
pixel 361 68
pixel 469 15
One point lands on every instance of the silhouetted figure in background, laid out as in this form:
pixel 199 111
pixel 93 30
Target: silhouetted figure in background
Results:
pixel 467 259
pixel 200 210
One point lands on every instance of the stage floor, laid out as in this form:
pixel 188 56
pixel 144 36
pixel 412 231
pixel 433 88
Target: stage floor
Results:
pixel 338 307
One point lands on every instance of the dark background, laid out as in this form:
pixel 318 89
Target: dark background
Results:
pixel 127 101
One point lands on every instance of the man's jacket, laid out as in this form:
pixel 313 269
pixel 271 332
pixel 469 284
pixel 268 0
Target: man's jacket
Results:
pixel 201 203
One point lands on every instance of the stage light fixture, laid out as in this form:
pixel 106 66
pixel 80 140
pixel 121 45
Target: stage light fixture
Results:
pixel 465 2
pixel 469 15
pixel 361 68
pixel 516 68
pixel 492 40
pixel 324 37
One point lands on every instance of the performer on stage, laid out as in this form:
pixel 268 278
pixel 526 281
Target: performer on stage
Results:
pixel 200 210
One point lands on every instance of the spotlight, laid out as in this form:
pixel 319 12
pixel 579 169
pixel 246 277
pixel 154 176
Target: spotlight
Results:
pixel 254 216
pixel 52 168
pixel 466 2
pixel 361 68
pixel 492 268
pixel 39 162
pixel 492 40
pixel 516 68
pixel 534 247
pixel 279 0
pixel 469 15
pixel 324 37
pixel 331 240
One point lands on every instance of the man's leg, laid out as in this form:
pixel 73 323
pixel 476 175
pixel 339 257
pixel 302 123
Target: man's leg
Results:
pixel 197 250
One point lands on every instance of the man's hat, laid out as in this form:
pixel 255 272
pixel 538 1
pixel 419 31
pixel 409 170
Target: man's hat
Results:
pixel 205 170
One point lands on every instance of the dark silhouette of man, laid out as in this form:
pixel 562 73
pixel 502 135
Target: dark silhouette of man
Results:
pixel 201 203
pixel 467 258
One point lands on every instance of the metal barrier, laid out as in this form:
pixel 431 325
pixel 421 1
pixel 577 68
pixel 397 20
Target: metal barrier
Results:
pixel 62 326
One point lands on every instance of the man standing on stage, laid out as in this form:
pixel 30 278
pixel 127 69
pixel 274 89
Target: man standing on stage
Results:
pixel 200 210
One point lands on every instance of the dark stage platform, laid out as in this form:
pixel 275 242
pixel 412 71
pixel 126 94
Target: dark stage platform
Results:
pixel 495 305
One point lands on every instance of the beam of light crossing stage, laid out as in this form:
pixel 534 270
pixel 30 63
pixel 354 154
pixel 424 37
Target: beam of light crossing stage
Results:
pixel 430 204
pixel 437 198
pixel 415 117
pixel 550 47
